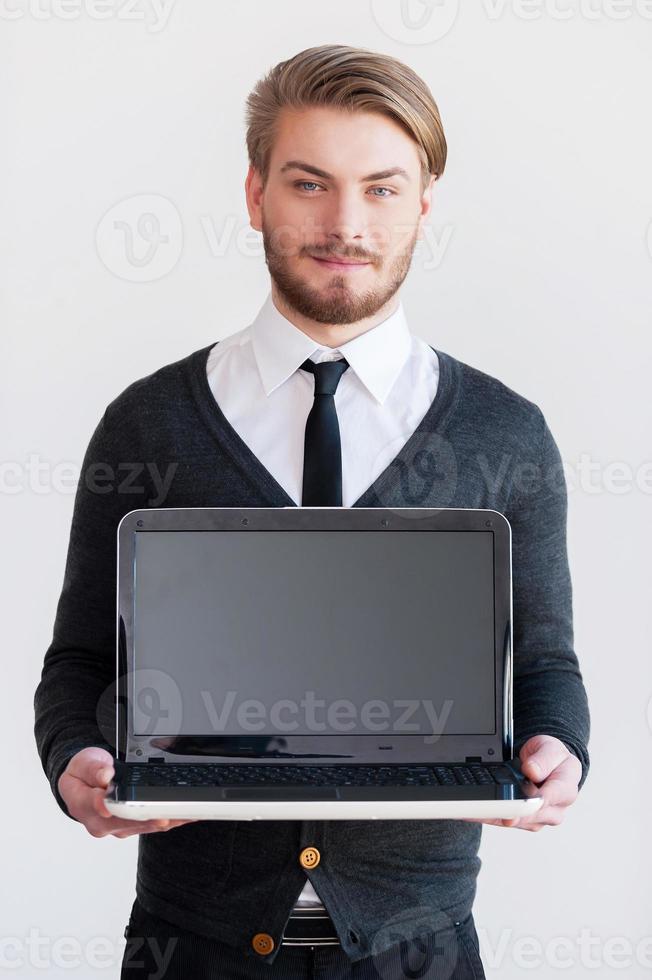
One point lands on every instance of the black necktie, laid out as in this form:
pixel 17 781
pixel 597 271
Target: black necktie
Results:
pixel 322 458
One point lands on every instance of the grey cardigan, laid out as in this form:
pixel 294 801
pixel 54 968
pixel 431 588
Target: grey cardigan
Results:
pixel 164 441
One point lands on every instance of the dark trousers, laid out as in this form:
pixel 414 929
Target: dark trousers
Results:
pixel 159 950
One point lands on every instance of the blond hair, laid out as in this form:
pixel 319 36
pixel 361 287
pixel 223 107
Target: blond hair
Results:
pixel 344 77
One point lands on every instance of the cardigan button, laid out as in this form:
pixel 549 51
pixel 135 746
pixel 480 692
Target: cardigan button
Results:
pixel 263 943
pixel 309 857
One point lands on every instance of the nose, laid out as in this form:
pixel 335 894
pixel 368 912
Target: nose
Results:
pixel 345 219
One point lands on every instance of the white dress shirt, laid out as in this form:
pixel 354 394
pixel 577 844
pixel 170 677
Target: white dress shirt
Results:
pixel 382 396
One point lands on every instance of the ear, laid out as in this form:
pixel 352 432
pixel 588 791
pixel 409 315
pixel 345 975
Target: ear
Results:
pixel 426 204
pixel 254 196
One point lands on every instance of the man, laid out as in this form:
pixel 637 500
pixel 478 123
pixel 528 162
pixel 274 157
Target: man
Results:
pixel 327 399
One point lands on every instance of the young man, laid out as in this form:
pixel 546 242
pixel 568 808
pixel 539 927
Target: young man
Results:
pixel 345 146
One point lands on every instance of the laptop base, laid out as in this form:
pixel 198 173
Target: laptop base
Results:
pixel 408 807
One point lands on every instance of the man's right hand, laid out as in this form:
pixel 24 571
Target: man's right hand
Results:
pixel 83 785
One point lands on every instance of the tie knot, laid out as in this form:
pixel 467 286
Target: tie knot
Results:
pixel 327 374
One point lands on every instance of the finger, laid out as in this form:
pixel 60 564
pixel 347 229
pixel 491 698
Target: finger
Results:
pixel 546 817
pixel 98 803
pixel 549 816
pixel 539 757
pixel 129 828
pixel 169 824
pixel 149 826
pixel 82 800
pixel 99 807
pixel 496 821
pixel 120 828
pixel 140 826
pixel 89 766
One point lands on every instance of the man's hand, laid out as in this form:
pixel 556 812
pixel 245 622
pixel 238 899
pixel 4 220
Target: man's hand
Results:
pixel 546 761
pixel 83 786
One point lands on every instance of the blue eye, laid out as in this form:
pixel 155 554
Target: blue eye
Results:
pixel 302 184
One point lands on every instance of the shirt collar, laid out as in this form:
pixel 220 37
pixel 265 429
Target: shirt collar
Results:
pixel 376 356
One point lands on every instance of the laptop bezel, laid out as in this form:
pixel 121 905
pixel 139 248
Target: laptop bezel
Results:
pixel 380 748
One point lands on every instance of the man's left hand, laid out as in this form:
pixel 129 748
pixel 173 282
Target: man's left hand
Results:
pixel 546 761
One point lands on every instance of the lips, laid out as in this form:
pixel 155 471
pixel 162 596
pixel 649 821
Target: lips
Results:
pixel 343 263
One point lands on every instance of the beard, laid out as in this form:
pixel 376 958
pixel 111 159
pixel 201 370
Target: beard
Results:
pixel 338 302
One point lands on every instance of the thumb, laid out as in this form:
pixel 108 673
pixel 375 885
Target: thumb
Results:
pixel 540 755
pixel 93 766
pixel 531 767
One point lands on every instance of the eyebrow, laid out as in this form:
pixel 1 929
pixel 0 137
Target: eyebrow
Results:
pixel 379 175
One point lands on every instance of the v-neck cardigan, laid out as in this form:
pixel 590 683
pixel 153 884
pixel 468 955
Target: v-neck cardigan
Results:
pixel 164 441
pixel 434 419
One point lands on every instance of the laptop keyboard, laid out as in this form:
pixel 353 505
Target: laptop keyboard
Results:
pixel 200 774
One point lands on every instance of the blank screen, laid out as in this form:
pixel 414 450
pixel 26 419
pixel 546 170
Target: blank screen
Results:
pixel 314 632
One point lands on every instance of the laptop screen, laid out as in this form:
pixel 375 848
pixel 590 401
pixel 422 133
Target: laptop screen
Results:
pixel 314 632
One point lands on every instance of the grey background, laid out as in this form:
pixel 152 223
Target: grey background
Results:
pixel 544 281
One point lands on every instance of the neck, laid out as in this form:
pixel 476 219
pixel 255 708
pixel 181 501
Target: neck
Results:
pixel 333 334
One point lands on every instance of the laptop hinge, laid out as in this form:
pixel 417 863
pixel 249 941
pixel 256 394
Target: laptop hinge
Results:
pixel 473 758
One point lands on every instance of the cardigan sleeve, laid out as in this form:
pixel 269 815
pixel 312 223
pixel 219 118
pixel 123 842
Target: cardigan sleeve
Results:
pixel 549 693
pixel 74 703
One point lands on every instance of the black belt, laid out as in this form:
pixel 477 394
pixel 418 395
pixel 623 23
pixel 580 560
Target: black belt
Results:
pixel 310 927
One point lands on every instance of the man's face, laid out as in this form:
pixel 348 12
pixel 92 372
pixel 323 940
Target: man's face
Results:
pixel 319 204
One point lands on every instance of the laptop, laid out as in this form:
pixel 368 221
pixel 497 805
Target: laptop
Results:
pixel 297 663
